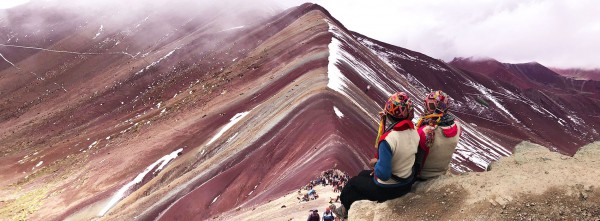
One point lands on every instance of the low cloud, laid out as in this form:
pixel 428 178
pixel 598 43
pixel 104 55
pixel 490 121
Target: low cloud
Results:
pixel 11 3
pixel 557 33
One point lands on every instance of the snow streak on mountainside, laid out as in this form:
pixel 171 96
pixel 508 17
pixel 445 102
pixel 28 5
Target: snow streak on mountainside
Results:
pixel 503 103
pixel 476 150
pixel 189 115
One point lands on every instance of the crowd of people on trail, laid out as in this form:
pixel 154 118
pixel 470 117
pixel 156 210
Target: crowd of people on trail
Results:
pixel 332 177
pixel 405 152
pixel 336 178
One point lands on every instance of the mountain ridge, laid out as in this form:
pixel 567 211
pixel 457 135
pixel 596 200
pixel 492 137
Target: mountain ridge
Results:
pixel 580 74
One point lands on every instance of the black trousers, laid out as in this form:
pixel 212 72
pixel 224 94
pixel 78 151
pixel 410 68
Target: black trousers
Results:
pixel 363 187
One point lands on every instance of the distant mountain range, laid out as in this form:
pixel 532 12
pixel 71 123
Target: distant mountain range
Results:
pixel 581 74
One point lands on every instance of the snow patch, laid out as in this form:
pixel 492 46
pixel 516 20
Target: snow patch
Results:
pixel 232 122
pixel 338 112
pixel 576 119
pixel 337 81
pixel 92 145
pixel 231 138
pixel 470 145
pixel 99 31
pixel 166 159
pixel 389 57
pixel 215 199
pixel 139 24
pixel 336 78
pixel 338 55
pixel 120 194
pixel 369 72
pixel 156 62
pixel 534 106
pixel 487 93
pixel 386 55
pixel 229 29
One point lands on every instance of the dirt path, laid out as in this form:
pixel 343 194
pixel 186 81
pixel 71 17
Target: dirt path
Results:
pixel 293 210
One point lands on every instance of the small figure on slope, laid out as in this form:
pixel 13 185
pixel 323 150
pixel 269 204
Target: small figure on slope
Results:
pixel 394 168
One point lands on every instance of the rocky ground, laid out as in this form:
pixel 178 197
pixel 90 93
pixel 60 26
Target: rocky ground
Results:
pixel 533 184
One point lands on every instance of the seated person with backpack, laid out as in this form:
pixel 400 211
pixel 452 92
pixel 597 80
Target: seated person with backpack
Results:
pixel 439 135
pixel 394 167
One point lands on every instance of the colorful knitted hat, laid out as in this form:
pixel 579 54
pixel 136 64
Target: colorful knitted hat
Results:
pixel 399 106
pixel 437 100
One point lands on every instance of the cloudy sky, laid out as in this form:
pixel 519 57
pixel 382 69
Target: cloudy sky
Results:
pixel 558 33
pixel 11 3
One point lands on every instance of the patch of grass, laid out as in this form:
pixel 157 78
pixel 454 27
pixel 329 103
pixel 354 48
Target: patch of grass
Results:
pixel 53 168
pixel 482 101
pixel 24 206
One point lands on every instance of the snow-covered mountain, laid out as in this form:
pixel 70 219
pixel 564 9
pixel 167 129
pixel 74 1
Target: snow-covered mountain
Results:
pixel 164 115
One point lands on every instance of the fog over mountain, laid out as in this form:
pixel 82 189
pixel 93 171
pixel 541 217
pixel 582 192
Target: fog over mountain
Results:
pixel 554 33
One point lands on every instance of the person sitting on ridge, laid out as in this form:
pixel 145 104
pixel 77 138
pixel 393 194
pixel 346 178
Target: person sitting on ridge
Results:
pixel 439 135
pixel 394 166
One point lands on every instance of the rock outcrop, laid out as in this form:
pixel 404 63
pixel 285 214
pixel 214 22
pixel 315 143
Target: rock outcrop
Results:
pixel 533 184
